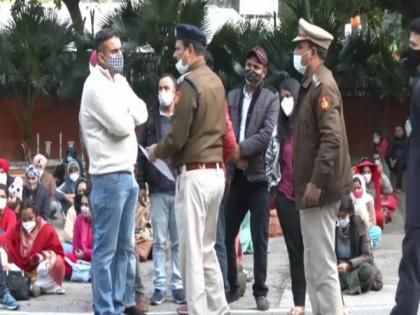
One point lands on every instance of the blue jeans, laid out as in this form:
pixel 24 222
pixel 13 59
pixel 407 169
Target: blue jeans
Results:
pixel 113 202
pixel 162 208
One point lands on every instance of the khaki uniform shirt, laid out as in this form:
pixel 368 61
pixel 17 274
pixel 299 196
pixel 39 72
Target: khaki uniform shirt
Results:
pixel 321 154
pixel 199 120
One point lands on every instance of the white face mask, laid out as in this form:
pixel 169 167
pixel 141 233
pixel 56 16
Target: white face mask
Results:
pixel 74 177
pixel 182 69
pixel 3 203
pixel 85 211
pixel 376 139
pixel 40 173
pixel 343 223
pixel 408 127
pixel 29 226
pixel 3 178
pixel 368 178
pixel 297 63
pixel 287 105
pixel 165 98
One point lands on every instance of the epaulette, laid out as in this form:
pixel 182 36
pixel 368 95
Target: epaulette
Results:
pixel 181 78
pixel 316 80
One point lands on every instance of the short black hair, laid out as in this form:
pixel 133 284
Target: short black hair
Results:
pixel 209 59
pixel 102 36
pixel 199 48
pixel 415 25
pixel 170 76
pixel 347 205
pixel 29 205
pixel 321 51
pixel 4 187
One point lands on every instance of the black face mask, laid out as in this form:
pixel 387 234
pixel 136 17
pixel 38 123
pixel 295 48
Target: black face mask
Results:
pixel 411 60
pixel 252 77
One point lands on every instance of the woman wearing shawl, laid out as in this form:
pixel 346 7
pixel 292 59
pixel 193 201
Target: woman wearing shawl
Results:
pixel 365 208
pixel 373 181
pixel 65 193
pixel 33 245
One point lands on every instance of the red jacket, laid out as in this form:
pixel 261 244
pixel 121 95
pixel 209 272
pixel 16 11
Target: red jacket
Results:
pixel 8 220
pixel 229 139
pixel 83 236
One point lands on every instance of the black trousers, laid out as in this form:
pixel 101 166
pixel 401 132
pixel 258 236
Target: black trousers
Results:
pixel 245 196
pixel 398 172
pixel 290 224
pixel 408 291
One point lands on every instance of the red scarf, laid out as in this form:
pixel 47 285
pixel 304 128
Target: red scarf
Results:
pixel 21 246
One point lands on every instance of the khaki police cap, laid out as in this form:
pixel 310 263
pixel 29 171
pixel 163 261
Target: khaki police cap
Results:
pixel 314 34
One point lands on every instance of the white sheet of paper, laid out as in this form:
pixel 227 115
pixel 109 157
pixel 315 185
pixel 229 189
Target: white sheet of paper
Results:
pixel 159 164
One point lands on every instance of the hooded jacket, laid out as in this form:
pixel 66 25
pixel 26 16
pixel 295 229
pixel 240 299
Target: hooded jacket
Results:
pixel 68 187
pixel 360 204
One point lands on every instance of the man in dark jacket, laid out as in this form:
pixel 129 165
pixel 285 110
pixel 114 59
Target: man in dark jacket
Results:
pixel 254 109
pixel 321 162
pixel 397 156
pixel 408 291
pixel 162 194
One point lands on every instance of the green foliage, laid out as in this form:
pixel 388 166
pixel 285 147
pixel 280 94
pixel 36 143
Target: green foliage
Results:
pixel 34 50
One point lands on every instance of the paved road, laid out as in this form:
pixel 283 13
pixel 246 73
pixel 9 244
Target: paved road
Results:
pixel 77 299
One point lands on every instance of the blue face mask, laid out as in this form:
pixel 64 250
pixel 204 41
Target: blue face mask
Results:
pixel 117 63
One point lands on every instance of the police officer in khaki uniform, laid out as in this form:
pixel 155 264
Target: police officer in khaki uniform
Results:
pixel 195 147
pixel 322 170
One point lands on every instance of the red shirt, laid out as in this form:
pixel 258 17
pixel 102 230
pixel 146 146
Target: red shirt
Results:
pixel 7 220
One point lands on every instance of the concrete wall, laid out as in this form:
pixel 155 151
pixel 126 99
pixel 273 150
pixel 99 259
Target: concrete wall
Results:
pixel 363 116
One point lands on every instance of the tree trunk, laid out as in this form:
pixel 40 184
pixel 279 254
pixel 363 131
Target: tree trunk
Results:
pixel 75 14
pixel 27 106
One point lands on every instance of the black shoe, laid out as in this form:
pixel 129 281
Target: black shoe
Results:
pixel 233 295
pixel 262 303
pixel 133 310
pixel 179 296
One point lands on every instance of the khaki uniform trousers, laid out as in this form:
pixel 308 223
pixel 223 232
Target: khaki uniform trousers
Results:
pixel 197 201
pixel 322 282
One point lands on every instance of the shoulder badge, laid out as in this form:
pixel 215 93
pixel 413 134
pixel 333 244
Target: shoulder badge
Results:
pixel 316 80
pixel 181 78
pixel 324 103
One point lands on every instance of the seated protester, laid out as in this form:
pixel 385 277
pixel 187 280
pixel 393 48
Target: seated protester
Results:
pixel 35 193
pixel 15 196
pixel 373 181
pixel 65 193
pixel 6 298
pixel 354 254
pixel 72 213
pixel 378 160
pixel 5 178
pixel 46 179
pixel 83 230
pixel 390 200
pixel 7 216
pixel 33 246
pixel 365 209
pixel 380 145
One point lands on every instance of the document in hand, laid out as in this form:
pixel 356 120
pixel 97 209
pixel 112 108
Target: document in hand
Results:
pixel 159 164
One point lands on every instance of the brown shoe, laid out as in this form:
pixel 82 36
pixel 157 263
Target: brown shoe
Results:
pixel 143 304
pixel 182 310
